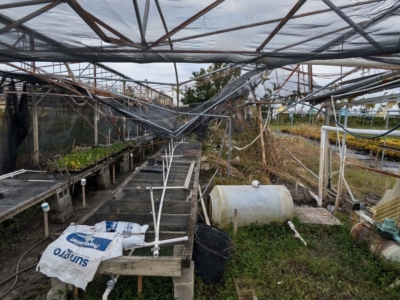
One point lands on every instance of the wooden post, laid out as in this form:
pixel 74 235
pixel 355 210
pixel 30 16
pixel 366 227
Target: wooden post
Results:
pixel 260 125
pixel 76 293
pixel 140 284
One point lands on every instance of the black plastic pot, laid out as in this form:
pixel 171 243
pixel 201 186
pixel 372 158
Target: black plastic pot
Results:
pixel 211 252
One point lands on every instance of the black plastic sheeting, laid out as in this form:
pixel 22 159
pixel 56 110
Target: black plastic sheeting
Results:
pixel 16 126
pixel 167 122
pixel 236 31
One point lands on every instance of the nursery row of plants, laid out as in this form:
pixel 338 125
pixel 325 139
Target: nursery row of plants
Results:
pixel 372 146
pixel 81 159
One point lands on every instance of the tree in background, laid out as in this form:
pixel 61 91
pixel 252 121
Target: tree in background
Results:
pixel 208 86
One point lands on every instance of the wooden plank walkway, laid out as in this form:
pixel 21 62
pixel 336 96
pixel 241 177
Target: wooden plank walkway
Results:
pixel 316 215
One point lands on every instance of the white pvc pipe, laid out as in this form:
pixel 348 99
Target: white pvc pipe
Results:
pixel 153 210
pixel 12 174
pixel 352 62
pixel 106 293
pixel 167 187
pixel 169 165
pixel 324 129
pixel 157 243
pixel 361 131
pixel 321 167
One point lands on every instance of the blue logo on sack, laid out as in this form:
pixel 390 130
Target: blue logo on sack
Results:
pixel 69 254
pixel 88 241
pixel 111 226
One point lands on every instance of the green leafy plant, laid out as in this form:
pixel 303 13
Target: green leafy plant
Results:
pixel 76 161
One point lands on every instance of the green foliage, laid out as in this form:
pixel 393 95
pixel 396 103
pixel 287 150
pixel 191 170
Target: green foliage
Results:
pixel 276 265
pixel 207 87
pixel 76 161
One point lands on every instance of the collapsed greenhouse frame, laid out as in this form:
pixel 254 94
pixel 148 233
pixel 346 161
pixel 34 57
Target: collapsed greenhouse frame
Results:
pixel 342 37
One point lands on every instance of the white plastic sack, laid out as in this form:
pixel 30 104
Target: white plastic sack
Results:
pixel 134 233
pixel 76 255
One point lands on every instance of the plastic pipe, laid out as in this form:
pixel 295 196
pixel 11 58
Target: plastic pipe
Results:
pixel 362 131
pixel 163 242
pixel 157 237
pixel 296 234
pixel 83 183
pixel 203 206
pixel 153 210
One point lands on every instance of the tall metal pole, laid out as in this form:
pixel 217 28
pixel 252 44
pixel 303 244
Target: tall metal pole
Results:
pixel 96 114
pixel 230 147
pixel 35 123
pixel 342 155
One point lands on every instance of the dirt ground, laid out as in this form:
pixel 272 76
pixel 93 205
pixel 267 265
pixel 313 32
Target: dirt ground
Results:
pixel 25 230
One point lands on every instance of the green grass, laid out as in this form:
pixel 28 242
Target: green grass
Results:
pixel 276 265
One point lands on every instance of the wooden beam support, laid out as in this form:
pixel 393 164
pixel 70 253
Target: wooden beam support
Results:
pixel 141 266
pixel 189 175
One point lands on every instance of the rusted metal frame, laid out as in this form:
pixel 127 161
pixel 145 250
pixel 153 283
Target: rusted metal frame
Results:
pixel 287 79
pixel 269 21
pixel 24 3
pixel 290 14
pixel 24 28
pixel 192 221
pixel 29 17
pixel 139 21
pixel 365 25
pixel 116 32
pixel 252 56
pixel 128 78
pixel 86 17
pixel 146 16
pixel 349 21
pixel 19 39
pixel 176 69
pixel 313 38
pixel 85 68
pixel 8 46
pixel 187 22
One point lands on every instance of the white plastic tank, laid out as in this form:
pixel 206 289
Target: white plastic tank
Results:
pixel 265 204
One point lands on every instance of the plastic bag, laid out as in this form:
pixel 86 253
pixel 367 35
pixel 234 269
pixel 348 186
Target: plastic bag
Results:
pixel 76 255
pixel 132 234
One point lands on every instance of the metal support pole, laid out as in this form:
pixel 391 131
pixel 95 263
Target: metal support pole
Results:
pixel 153 211
pixel 222 144
pixel 230 147
pixel 321 167
pixel 326 156
pixel 235 222
pixel 96 124
pixel 35 123
pixel 46 224
pixel 384 141
pixel 260 125
pixel 83 183
pixel 123 127
pixel 341 167
pixel 113 170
